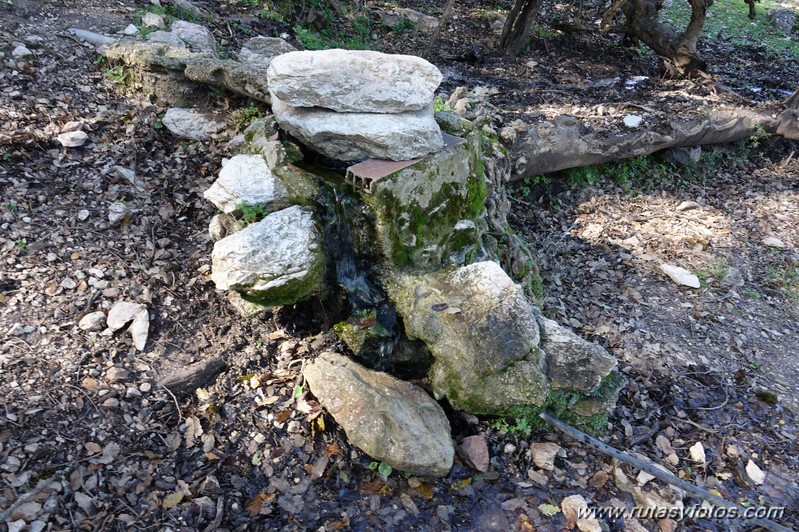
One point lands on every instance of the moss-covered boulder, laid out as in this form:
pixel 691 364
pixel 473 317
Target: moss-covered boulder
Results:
pixel 430 214
pixel 482 332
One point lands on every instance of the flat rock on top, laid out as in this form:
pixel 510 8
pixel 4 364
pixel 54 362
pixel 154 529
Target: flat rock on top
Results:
pixel 353 81
pixel 247 179
pixel 261 50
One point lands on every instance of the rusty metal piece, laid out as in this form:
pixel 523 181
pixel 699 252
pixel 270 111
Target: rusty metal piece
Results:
pixel 366 173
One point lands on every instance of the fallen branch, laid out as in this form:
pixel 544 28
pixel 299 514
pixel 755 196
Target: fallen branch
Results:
pixel 654 471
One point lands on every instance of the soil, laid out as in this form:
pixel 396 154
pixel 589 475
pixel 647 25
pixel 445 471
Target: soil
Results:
pixel 91 440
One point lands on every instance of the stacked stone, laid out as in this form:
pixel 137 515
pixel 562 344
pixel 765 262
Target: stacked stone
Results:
pixel 351 105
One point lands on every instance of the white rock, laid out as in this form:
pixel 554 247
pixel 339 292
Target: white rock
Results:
pixel 83 215
pixel 633 121
pixel 247 179
pixel 774 242
pixel 153 20
pixel 697 451
pixel 73 139
pixel 131 30
pixel 125 173
pixel 95 39
pixel 191 124
pixel 20 52
pixel 644 477
pixel 353 81
pixel 261 50
pixel 196 37
pixel 681 276
pixel 755 473
pixel 280 251
pixel 117 213
pixel 348 136
pixel 140 328
pixel 93 321
pixel 69 283
pixel 687 206
pixel 544 454
pixel 123 313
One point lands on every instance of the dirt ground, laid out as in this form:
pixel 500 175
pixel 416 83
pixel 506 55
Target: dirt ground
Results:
pixel 86 428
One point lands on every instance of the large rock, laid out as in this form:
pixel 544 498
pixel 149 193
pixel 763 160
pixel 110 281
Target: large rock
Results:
pixel 354 81
pixel 196 37
pixel 430 213
pixel 391 420
pixel 242 78
pixel 277 261
pixel 261 50
pixel 349 136
pixel 191 124
pixel 574 364
pixel 247 180
pixel 483 334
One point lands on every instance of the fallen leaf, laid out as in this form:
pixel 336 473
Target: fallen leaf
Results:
pixel 548 509
pixel 194 429
pixel 172 500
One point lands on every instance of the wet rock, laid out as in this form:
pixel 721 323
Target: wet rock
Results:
pixel 392 421
pixel 247 180
pixel 543 455
pixel 191 124
pixel 93 321
pixel 261 50
pixel 574 363
pixel 276 261
pixel 73 139
pixel 681 276
pixel 349 136
pixel 482 332
pixel 196 37
pixel 474 450
pixel 353 81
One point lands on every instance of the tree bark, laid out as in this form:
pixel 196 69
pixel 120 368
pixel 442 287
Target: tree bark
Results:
pixel 442 23
pixel 517 26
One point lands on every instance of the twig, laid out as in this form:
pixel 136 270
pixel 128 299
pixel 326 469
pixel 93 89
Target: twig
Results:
pixel 8 512
pixel 665 476
pixel 84 393
pixel 177 405
pixel 695 424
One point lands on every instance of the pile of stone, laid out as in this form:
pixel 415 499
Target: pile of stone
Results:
pixel 351 105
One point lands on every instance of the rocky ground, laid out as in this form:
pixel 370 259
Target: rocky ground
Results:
pixel 95 440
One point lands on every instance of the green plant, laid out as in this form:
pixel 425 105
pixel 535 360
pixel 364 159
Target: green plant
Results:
pixel 21 245
pixel 246 115
pixel 12 206
pixel 118 74
pixel 758 136
pixel 403 26
pixel 251 213
pixel 382 468
pixel 440 106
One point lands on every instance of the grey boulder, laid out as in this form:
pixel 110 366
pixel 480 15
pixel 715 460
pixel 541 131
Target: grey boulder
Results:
pixel 261 50
pixel 391 420
pixel 192 125
pixel 348 136
pixel 353 81
pixel 247 180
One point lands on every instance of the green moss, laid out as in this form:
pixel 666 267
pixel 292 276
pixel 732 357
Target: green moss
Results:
pixel 558 403
pixel 293 291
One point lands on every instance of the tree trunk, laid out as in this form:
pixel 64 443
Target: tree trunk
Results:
pixel 442 23
pixel 517 26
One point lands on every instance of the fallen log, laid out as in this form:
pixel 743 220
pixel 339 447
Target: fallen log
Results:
pixel 566 142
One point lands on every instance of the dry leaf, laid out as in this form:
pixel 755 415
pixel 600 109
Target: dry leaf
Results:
pixel 194 429
pixel 92 448
pixel 172 500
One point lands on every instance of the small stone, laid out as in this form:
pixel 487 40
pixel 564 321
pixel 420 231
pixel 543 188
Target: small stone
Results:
pixel 688 205
pixel 16 330
pixel 145 387
pixel 21 52
pixel 153 20
pixel 69 283
pixel 111 403
pixel 140 328
pixel 122 313
pixel 93 321
pixel 117 213
pixel 73 139
pixel 543 455
pixel 474 450
pixel 509 448
pixel 116 374
pixel 644 477
pixel 774 242
pixel 132 392
pixel 633 121
pixel 574 508
pixel 131 30
pixel 126 173
pixel 83 215
pixel 90 384
pixel 755 473
pixel 697 451
pixel 681 276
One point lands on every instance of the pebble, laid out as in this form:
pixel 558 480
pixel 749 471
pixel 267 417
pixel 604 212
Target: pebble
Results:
pixel 152 20
pixel 633 121
pixel 111 403
pixel 122 313
pixel 21 52
pixel 83 215
pixel 69 283
pixel 509 448
pixel 117 212
pixel 681 276
pixel 131 30
pixel 145 387
pixel 115 374
pixel 73 139
pixel 93 321
pixel 774 242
